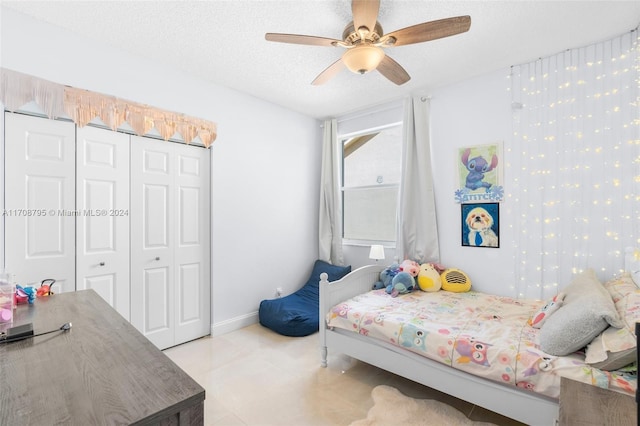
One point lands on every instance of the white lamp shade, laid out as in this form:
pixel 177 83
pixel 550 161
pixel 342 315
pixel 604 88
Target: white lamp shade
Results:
pixel 376 252
pixel 363 58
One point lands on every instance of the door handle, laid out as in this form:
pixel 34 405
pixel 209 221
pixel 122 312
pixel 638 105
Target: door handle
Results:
pixel 157 258
pixel 101 263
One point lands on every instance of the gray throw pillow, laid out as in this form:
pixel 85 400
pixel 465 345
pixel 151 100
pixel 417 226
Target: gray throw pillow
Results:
pixel 587 311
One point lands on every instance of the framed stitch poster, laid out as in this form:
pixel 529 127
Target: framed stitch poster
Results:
pixel 479 174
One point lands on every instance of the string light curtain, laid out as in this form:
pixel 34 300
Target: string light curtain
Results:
pixel 575 164
pixel 82 106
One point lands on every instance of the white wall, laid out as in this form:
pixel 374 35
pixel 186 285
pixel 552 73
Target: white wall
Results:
pixel 265 168
pixel 473 112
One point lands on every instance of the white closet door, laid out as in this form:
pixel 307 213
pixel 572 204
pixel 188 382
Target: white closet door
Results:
pixel 40 200
pixel 152 239
pixel 102 224
pixel 170 241
pixel 192 248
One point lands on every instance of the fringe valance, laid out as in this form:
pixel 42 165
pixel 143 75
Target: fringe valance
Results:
pixel 82 106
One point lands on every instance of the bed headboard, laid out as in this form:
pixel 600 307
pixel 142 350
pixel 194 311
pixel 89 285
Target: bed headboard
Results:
pixel 632 263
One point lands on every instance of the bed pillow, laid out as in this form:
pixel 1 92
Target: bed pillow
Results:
pixel 632 264
pixel 587 310
pixel 615 348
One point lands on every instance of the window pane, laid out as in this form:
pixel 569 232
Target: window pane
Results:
pixel 370 213
pixel 373 159
pixel 371 178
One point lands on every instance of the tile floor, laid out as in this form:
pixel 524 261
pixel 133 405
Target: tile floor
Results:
pixel 254 376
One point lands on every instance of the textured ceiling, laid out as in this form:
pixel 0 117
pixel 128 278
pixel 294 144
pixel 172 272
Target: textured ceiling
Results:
pixel 223 41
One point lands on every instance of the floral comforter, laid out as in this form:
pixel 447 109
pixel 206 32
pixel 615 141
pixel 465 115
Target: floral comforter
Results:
pixel 484 335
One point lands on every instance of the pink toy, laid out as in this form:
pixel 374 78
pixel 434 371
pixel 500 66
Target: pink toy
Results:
pixel 411 267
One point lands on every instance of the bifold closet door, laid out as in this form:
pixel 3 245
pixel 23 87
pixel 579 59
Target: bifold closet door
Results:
pixel 170 277
pixel 102 225
pixel 193 243
pixel 40 200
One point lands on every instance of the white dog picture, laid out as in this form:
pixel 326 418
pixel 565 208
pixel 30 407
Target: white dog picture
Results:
pixel 480 227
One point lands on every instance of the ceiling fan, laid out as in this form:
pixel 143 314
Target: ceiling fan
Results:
pixel 364 39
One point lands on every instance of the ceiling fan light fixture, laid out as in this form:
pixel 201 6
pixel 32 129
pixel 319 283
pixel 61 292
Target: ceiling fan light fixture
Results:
pixel 363 58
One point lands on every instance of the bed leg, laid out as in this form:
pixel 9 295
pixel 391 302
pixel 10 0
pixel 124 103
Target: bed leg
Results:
pixel 323 355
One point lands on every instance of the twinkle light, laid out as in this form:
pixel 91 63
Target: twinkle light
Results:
pixel 576 147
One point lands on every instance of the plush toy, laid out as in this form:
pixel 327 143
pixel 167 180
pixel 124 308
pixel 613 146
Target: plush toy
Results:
pixel 429 278
pixel 25 294
pixel 386 276
pixel 402 283
pixel 541 315
pixel 411 267
pixel 455 280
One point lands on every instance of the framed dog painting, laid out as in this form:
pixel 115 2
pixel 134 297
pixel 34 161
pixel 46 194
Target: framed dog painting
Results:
pixel 480 224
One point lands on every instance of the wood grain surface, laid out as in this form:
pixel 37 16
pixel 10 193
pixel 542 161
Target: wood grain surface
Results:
pixel 583 405
pixel 102 371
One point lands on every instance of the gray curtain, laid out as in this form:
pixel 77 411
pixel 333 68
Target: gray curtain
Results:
pixel 417 232
pixel 330 221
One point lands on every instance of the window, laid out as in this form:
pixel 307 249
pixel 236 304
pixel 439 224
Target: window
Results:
pixel 371 170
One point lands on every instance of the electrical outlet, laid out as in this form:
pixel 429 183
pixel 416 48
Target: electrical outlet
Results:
pixel 279 291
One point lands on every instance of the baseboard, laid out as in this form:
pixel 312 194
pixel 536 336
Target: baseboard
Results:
pixel 232 324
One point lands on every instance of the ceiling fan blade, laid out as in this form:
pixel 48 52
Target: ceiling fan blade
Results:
pixel 365 13
pixel 301 39
pixel 393 71
pixel 329 72
pixel 430 30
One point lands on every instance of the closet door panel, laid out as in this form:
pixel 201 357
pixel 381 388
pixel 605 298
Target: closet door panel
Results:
pixel 102 243
pixel 152 239
pixel 157 293
pixel 40 200
pixel 192 247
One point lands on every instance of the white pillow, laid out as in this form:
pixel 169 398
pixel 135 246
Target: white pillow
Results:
pixel 632 264
pixel 616 348
pixel 586 312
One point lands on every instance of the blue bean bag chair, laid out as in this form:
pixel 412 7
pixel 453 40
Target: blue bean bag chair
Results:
pixel 297 314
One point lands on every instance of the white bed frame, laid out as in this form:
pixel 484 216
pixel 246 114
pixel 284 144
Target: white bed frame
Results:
pixel 524 406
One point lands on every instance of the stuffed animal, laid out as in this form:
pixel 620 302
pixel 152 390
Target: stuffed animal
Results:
pixel 402 283
pixel 455 280
pixel 25 294
pixel 386 276
pixel 541 315
pixel 429 278
pixel 411 267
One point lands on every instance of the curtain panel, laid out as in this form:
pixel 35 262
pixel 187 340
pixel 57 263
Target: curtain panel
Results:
pixel 330 215
pixel 417 230
pixel 575 161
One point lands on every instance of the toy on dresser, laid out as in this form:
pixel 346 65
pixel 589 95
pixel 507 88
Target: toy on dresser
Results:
pixel 28 294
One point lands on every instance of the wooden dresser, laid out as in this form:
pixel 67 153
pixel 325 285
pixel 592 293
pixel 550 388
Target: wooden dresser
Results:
pixel 584 405
pixel 100 372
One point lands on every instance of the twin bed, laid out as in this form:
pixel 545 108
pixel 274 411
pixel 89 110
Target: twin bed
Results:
pixel 474 346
